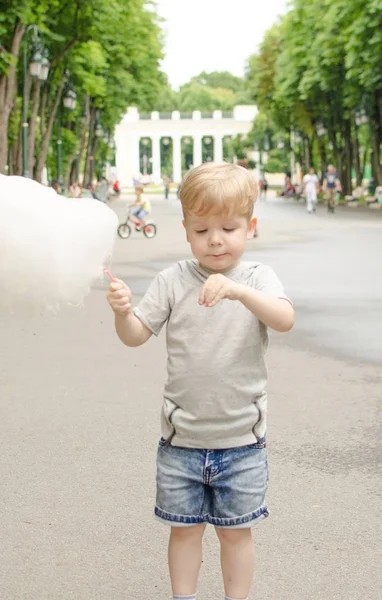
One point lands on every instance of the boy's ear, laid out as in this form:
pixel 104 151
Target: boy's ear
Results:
pixel 251 228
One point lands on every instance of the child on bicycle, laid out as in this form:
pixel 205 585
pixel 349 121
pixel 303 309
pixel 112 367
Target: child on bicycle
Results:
pixel 143 205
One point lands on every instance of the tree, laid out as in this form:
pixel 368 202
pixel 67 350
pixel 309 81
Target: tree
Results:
pixel 195 96
pixel 218 90
pixel 88 48
pixel 308 76
pixel 220 79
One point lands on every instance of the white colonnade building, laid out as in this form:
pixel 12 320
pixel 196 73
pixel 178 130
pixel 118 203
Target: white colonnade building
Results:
pixel 144 142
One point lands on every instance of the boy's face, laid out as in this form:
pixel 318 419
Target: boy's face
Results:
pixel 218 242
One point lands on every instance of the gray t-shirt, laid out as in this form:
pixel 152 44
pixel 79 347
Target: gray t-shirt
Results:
pixel 214 396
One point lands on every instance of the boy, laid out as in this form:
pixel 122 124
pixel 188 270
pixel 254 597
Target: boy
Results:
pixel 311 187
pixel 143 205
pixel 211 463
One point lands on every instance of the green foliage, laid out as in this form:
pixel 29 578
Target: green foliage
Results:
pixel 318 66
pixel 218 90
pixel 69 146
pixel 277 161
pixel 220 79
pixel 196 96
pixel 111 51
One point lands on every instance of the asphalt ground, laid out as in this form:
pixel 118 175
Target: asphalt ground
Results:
pixel 79 426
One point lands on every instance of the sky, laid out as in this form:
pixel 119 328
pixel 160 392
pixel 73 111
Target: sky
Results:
pixel 213 35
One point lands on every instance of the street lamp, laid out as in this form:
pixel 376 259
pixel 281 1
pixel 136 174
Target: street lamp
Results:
pixel 44 71
pixel 35 63
pixel 70 99
pixel 39 69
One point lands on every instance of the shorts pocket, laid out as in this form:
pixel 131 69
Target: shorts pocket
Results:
pixel 259 445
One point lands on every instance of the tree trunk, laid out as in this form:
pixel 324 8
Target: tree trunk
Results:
pixel 44 96
pixel 333 139
pixel 376 138
pixel 85 129
pixel 323 158
pixel 75 170
pixel 376 165
pixel 356 157
pixel 89 165
pixel 40 163
pixel 307 153
pixel 90 149
pixel 69 170
pixel 379 103
pixel 33 124
pixel 364 161
pixel 18 162
pixel 8 91
pixel 11 158
pixel 347 181
pixel 18 159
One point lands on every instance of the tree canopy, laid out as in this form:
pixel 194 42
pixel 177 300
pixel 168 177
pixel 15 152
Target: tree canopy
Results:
pixel 109 53
pixel 217 90
pixel 318 73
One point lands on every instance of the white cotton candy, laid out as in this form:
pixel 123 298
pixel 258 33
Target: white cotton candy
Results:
pixel 52 248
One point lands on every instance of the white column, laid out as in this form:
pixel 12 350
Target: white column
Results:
pixel 176 158
pixel 156 160
pixel 127 158
pixel 218 148
pixel 197 149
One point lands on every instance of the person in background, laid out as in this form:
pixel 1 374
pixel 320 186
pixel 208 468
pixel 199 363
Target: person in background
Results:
pixel 331 186
pixel 75 190
pixel 288 189
pixel 167 182
pixel 116 188
pixel 143 205
pixel 310 185
pixel 263 186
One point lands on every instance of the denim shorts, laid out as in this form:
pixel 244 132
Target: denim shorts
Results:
pixel 141 213
pixel 223 487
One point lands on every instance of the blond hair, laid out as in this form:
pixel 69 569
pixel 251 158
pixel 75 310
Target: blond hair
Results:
pixel 214 188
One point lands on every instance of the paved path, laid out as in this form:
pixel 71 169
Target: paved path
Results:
pixel 79 417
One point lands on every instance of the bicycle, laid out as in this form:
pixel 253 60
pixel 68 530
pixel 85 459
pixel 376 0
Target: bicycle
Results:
pixel 148 228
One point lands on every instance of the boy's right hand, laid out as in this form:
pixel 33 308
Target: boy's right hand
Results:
pixel 119 297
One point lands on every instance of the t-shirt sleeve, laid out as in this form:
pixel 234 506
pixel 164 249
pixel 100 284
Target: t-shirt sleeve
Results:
pixel 154 308
pixel 267 281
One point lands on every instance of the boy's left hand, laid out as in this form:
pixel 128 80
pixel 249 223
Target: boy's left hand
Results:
pixel 216 288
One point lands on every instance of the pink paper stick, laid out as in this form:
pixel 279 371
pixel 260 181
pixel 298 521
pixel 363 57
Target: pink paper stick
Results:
pixel 110 276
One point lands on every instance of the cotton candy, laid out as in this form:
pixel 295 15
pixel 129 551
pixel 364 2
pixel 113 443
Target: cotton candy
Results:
pixel 52 248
